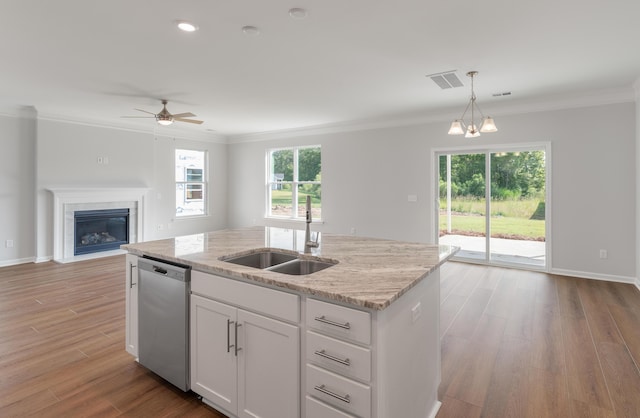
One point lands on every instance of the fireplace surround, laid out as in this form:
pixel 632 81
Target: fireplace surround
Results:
pixel 68 201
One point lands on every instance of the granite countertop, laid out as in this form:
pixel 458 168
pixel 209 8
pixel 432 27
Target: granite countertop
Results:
pixel 370 272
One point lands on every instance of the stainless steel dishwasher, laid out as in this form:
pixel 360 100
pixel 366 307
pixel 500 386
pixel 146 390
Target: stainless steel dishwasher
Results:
pixel 163 320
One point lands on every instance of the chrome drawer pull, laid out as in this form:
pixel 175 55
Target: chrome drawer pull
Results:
pixel 322 389
pixel 346 325
pixel 322 353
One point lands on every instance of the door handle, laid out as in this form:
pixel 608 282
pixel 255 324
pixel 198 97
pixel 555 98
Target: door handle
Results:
pixel 229 322
pixel 131 283
pixel 238 325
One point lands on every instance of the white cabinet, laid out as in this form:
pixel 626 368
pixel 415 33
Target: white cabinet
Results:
pixel 213 360
pixel 243 362
pixel 337 353
pixel 131 305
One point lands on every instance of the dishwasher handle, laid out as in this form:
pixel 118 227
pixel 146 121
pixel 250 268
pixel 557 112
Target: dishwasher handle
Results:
pixel 164 269
pixel 159 270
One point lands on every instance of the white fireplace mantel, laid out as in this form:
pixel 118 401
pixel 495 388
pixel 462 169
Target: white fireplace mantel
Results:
pixel 68 200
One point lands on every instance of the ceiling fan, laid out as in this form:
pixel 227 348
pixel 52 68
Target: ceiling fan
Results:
pixel 165 118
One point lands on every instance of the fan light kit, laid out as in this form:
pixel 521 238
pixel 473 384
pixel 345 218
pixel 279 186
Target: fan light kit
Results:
pixel 165 118
pixel 487 124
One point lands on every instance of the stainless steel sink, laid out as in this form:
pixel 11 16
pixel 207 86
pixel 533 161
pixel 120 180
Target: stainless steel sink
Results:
pixel 279 261
pixel 261 260
pixel 301 267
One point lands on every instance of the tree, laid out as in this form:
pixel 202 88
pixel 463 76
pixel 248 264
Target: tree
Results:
pixel 513 175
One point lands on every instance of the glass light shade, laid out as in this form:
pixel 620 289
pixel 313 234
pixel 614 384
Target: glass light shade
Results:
pixel 456 128
pixel 472 132
pixel 488 125
pixel 165 121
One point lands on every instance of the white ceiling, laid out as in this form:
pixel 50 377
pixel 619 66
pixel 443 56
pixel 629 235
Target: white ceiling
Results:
pixel 352 60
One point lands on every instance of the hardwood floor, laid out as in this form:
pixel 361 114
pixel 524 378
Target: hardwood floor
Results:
pixel 62 347
pixel 526 344
pixel 514 344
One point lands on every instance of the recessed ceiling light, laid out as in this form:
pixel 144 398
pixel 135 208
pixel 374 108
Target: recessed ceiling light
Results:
pixel 250 30
pixel 297 13
pixel 185 26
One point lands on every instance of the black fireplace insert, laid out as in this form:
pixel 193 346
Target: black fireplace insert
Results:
pixel 100 230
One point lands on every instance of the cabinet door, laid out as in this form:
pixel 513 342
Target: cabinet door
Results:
pixel 268 368
pixel 213 360
pixel 131 305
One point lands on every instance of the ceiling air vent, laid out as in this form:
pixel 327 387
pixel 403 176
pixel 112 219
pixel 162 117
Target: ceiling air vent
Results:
pixel 446 80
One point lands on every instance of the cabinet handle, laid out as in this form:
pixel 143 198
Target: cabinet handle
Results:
pixel 322 389
pixel 229 322
pixel 346 325
pixel 131 283
pixel 238 325
pixel 322 353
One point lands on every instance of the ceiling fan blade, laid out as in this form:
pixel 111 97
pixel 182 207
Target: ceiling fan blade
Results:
pixel 187 120
pixel 183 115
pixel 140 110
pixel 144 117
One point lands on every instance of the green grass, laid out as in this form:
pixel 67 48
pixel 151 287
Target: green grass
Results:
pixel 283 197
pixel 519 219
pixel 500 226
pixel 525 209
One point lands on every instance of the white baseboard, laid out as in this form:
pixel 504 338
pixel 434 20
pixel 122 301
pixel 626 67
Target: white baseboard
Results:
pixel 596 276
pixel 638 283
pixel 43 259
pixel 5 263
pixel 90 256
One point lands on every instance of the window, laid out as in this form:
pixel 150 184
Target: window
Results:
pixel 191 185
pixel 292 175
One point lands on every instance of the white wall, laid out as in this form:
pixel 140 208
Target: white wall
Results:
pixel 17 185
pixel 67 157
pixel 594 201
pixel 368 175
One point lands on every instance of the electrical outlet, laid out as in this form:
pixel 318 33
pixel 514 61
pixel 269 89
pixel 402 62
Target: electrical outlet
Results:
pixel 105 160
pixel 412 198
pixel 604 254
pixel 8 243
pixel 353 230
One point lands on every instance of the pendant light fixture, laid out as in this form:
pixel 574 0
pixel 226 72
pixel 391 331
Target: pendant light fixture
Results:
pixel 487 124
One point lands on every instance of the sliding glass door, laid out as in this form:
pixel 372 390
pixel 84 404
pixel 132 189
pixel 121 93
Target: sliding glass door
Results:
pixel 492 204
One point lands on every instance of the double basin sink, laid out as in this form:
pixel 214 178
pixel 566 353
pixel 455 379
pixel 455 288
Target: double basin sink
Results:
pixel 280 262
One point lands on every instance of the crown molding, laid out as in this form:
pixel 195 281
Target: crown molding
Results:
pixel 170 131
pixel 548 103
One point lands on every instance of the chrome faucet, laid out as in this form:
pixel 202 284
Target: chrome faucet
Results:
pixel 308 244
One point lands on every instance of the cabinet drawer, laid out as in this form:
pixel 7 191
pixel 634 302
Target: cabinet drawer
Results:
pixel 339 321
pixel 339 391
pixel 256 298
pixel 317 409
pixel 339 356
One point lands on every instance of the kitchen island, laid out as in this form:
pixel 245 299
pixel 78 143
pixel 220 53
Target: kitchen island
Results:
pixel 357 339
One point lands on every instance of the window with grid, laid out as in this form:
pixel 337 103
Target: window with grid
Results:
pixel 292 175
pixel 191 184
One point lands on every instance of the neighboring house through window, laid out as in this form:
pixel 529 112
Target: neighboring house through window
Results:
pixel 292 175
pixel 191 182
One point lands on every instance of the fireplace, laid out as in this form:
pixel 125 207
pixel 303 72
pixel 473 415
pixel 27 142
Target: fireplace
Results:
pixel 68 201
pixel 100 230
